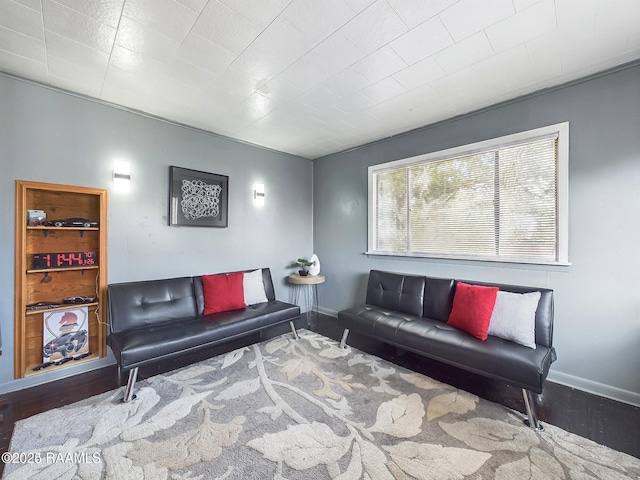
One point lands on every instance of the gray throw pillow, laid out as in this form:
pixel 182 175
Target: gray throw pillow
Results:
pixel 254 288
pixel 514 317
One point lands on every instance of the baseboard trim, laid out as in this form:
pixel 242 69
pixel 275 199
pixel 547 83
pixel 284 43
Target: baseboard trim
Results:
pixel 327 311
pixel 596 388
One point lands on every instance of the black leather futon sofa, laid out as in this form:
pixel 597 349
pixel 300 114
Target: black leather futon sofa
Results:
pixel 411 312
pixel 160 319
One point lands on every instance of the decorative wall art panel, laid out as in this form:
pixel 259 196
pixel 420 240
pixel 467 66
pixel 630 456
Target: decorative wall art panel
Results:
pixel 198 199
pixel 66 334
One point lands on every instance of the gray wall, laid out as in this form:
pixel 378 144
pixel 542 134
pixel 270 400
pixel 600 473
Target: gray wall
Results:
pixel 597 298
pixel 50 136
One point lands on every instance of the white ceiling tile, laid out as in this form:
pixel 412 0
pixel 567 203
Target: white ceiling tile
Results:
pixel 78 27
pixel 334 54
pixel 319 97
pixel 380 64
pixel 236 84
pixel 615 16
pixel 189 74
pixel 24 67
pixel 21 19
pixel 171 93
pixel 414 12
pixel 122 96
pixel 568 15
pixel 81 86
pixel 423 41
pixel 318 19
pixel 523 26
pixel 358 5
pixel 277 47
pixel 305 74
pixel 487 88
pixel 135 63
pixel 467 17
pixel 74 78
pixel 23 45
pixel 259 13
pixel 32 4
pixel 222 99
pixel 260 104
pixel 205 54
pixel 455 83
pixel 104 11
pixel 225 27
pixel 561 41
pixel 420 73
pixel 347 82
pixel 633 40
pixel 164 16
pixel 62 68
pixel 374 27
pixel 354 103
pixel 384 90
pixel 471 50
pixel 140 39
pixel 566 36
pixel 516 58
pixel 522 4
pixel 195 5
pixel 122 80
pixel 280 90
pixel 535 71
pixel 241 117
pixel 77 53
pixel 593 51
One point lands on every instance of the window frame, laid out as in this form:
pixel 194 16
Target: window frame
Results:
pixel 561 130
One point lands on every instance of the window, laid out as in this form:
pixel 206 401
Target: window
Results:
pixel 502 200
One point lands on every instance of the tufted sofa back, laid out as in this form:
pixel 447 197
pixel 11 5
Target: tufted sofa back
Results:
pixel 402 293
pixel 135 304
pixel 432 297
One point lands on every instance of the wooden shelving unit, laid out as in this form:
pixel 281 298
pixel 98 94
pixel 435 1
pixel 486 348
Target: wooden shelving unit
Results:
pixel 34 285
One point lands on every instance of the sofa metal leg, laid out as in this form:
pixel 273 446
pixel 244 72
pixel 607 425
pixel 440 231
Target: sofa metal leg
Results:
pixel 293 330
pixel 532 418
pixel 343 342
pixel 128 393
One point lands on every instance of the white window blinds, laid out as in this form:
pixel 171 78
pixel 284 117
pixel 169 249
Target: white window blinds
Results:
pixel 497 202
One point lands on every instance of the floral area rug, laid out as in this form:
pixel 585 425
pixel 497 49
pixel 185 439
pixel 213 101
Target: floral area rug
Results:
pixel 306 409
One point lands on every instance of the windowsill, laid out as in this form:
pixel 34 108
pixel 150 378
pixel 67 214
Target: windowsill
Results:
pixel 521 261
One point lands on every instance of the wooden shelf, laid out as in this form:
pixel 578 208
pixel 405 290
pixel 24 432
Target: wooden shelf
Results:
pixel 33 285
pixel 30 368
pixel 64 269
pixel 64 306
pixel 44 227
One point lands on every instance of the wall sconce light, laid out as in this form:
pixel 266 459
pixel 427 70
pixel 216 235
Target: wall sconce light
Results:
pixel 258 194
pixel 121 176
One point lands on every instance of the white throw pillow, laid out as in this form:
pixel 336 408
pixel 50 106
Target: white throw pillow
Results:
pixel 254 288
pixel 514 317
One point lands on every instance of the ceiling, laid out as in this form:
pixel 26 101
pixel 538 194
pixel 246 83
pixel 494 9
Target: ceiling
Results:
pixel 312 77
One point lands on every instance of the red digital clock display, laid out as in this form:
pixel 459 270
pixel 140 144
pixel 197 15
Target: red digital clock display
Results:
pixel 64 259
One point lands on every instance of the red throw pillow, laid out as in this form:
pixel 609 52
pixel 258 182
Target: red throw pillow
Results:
pixel 223 292
pixel 472 308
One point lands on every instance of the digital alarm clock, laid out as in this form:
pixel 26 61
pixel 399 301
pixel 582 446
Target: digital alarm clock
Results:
pixel 64 260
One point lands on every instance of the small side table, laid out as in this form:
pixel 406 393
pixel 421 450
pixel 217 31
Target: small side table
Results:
pixel 310 285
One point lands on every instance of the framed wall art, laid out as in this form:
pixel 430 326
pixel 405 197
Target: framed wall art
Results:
pixel 198 199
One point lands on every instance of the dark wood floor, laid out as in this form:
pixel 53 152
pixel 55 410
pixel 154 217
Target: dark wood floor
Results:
pixel 605 421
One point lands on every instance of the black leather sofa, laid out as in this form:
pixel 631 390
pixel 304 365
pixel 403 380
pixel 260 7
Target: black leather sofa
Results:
pixel 411 312
pixel 160 319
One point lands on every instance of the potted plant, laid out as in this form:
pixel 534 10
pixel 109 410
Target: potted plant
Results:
pixel 303 264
